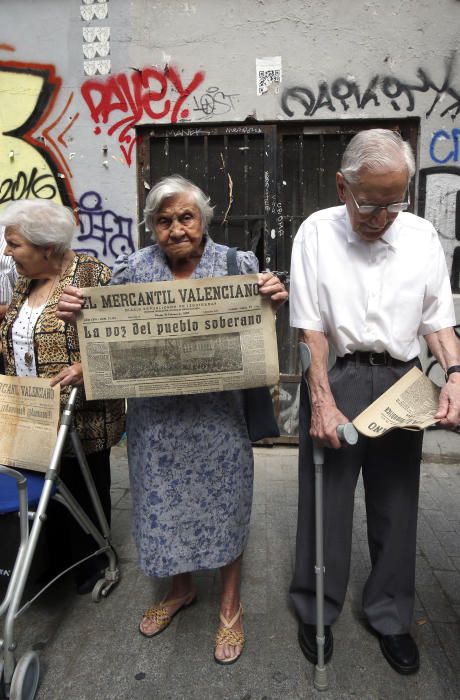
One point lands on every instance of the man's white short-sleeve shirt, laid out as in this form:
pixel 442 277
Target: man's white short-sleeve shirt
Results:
pixel 369 296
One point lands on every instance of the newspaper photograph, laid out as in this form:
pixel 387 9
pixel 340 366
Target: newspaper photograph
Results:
pixel 29 410
pixel 181 337
pixel 411 403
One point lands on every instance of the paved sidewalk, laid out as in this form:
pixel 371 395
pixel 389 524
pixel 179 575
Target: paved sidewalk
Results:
pixel 93 651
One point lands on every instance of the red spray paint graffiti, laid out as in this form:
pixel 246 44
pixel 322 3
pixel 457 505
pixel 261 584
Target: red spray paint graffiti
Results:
pixel 134 95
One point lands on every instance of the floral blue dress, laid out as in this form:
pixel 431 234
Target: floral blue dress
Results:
pixel 190 458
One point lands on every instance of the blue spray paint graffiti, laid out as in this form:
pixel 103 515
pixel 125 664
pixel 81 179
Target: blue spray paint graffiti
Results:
pixel 440 141
pixel 104 233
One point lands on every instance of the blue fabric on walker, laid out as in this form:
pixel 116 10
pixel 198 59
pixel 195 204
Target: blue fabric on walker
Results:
pixel 9 495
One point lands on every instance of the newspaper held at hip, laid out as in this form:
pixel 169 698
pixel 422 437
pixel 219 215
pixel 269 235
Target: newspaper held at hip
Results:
pixel 411 403
pixel 29 410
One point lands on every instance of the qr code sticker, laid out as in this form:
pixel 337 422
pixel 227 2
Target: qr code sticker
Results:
pixel 265 78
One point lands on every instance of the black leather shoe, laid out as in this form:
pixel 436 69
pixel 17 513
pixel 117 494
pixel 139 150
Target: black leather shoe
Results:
pixel 307 641
pixel 401 652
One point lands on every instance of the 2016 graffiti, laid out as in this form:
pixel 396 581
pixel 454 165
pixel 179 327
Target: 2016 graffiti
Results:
pixel 347 91
pixel 214 102
pixel 133 95
pixel 104 233
pixel 440 142
pixel 25 186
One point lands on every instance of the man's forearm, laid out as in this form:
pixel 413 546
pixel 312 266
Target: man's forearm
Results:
pixel 445 347
pixel 325 416
pixel 318 381
pixel 3 310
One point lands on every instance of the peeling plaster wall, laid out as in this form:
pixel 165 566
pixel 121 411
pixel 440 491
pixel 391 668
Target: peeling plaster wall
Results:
pixel 71 71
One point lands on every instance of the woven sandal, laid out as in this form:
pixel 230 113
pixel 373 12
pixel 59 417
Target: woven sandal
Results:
pixel 159 613
pixel 227 635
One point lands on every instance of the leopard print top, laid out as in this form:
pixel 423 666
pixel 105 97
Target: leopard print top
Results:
pixel 100 424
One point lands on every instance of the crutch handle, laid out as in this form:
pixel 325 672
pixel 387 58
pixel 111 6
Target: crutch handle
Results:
pixel 346 432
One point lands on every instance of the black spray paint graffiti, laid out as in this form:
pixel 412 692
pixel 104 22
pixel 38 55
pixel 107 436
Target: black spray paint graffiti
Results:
pixel 28 186
pixel 439 202
pixel 213 102
pixel 346 92
pixel 104 233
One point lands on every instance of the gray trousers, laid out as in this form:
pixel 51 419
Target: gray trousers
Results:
pixel 391 473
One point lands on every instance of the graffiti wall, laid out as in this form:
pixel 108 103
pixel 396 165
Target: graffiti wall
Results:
pixel 80 80
pixel 123 100
pixel 32 138
pixel 381 92
pixel 75 89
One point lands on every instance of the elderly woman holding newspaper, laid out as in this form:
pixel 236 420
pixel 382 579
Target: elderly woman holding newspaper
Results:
pixel 190 457
pixel 38 237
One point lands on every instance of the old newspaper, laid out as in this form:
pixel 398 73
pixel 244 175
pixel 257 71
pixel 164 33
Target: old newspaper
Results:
pixel 182 337
pixel 29 410
pixel 412 403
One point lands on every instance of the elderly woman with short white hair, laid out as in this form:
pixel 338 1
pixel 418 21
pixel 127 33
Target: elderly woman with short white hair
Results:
pixel 190 457
pixel 35 343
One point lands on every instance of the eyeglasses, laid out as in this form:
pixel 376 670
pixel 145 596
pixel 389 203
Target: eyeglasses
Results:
pixel 370 209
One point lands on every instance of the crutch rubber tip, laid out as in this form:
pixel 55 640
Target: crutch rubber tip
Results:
pixel 320 679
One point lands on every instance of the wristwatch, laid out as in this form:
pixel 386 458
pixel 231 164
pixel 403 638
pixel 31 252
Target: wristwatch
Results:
pixel 451 370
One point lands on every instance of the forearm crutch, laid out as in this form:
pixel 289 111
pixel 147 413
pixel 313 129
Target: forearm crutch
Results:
pixel 346 433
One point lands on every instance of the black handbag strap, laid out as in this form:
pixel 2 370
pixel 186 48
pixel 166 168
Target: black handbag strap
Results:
pixel 258 405
pixel 232 264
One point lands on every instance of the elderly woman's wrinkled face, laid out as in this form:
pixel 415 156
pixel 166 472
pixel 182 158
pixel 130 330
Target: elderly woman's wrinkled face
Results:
pixel 30 259
pixel 178 228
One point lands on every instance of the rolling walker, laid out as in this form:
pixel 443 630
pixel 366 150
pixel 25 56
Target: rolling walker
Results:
pixel 19 678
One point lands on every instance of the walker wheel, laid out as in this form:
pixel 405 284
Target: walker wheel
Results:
pixel 98 591
pixel 25 678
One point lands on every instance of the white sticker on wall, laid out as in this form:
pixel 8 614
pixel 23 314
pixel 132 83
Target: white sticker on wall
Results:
pixel 268 72
pixel 97 67
pixel 97 48
pixel 97 10
pixel 91 34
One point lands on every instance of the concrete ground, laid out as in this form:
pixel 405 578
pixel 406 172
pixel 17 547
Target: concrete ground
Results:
pixel 93 651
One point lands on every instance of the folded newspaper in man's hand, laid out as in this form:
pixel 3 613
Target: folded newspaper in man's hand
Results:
pixel 411 403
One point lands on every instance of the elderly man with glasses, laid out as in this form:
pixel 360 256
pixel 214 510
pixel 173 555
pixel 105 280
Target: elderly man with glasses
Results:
pixel 367 279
